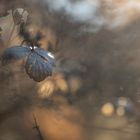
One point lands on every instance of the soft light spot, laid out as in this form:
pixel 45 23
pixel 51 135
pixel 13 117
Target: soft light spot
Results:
pixel 107 109
pixel 120 111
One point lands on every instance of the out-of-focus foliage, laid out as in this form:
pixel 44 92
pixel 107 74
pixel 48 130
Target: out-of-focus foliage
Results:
pixel 56 83
pixel 59 84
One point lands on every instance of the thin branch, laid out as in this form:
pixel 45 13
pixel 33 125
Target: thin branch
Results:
pixel 11 34
pixel 37 128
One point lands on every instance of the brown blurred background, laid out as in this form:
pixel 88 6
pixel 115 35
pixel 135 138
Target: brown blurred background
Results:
pixel 94 93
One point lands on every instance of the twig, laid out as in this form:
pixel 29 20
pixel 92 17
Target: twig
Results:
pixel 37 128
pixel 13 28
